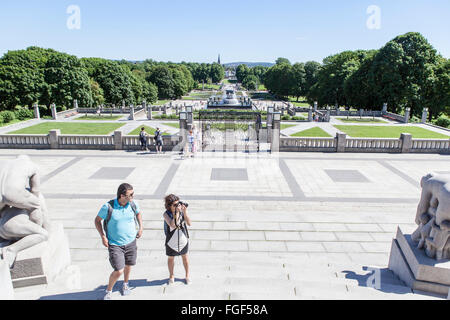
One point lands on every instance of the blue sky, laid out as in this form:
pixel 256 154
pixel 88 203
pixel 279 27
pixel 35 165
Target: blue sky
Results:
pixel 198 30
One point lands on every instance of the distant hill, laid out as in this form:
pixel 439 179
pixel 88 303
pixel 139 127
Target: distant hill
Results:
pixel 249 64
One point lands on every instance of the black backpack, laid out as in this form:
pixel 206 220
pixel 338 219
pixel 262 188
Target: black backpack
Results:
pixel 110 211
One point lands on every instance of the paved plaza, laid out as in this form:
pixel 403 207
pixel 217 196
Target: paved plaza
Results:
pixel 280 226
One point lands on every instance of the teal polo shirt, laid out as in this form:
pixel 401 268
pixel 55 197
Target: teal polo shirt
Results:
pixel 121 227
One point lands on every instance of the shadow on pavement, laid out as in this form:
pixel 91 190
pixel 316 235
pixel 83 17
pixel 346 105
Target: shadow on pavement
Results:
pixel 99 292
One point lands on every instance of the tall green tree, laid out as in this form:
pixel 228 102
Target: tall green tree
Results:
pixel 242 71
pixel 298 88
pixel 335 70
pixel 22 80
pixel 250 82
pixel 312 69
pixel 116 83
pixel 282 61
pixel 279 79
pixel 401 70
pixel 357 87
pixel 217 73
pixel 161 76
pixel 66 80
pixel 97 93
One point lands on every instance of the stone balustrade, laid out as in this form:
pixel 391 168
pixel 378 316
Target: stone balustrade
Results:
pixel 110 110
pixel 33 141
pixel 430 146
pixel 404 144
pixel 307 144
pixel 118 141
pixel 85 142
pixel 373 145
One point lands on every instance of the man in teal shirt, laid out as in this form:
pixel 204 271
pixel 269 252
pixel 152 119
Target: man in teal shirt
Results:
pixel 121 237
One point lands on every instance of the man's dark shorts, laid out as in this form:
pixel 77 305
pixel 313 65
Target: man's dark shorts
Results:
pixel 121 256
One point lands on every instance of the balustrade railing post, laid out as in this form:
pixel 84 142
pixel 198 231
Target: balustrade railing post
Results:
pixel 53 137
pixel 341 142
pixel 406 139
pixel 118 143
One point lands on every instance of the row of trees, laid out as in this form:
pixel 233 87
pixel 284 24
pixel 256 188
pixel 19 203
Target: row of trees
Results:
pixel 251 77
pixel 406 72
pixel 296 80
pixel 45 76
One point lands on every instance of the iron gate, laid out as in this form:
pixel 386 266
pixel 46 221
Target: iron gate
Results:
pixel 231 130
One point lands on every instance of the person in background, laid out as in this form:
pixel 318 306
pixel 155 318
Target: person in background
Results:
pixel 158 141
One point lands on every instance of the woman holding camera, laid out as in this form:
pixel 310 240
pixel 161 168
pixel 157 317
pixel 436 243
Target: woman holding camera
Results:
pixel 175 220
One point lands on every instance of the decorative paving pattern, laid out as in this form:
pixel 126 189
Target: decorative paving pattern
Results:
pixel 227 174
pixel 346 176
pixel 107 173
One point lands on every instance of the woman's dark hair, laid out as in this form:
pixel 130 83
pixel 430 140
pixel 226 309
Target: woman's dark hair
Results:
pixel 171 198
pixel 123 188
pixel 143 128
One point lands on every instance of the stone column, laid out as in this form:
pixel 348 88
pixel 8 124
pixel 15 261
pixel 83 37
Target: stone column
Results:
pixel 384 110
pixel 53 138
pixel 149 113
pixel 407 114
pixel 328 115
pixel 36 111
pixel 54 114
pixel 118 140
pixel 310 114
pixel 424 115
pixel 131 113
pixel 361 112
pixel 75 104
pixel 183 129
pixel 190 120
pixel 269 122
pixel 406 142
pixel 275 134
pixel 165 109
pixel 341 142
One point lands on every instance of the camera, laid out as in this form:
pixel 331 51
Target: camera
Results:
pixel 180 203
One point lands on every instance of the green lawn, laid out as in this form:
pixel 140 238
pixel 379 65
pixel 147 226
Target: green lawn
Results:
pixel 209 86
pixel 151 131
pixel 161 102
pixel 285 126
pixel 71 128
pixel 198 96
pixel 172 124
pixel 315 132
pixel 99 118
pixel 389 132
pixel 357 120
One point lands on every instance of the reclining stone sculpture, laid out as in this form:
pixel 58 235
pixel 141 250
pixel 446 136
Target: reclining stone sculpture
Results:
pixel 23 213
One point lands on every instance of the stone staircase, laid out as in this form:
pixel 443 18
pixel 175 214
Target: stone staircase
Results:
pixel 229 276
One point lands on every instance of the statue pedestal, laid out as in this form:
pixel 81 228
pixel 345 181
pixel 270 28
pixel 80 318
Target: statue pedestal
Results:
pixel 416 269
pixel 6 288
pixel 43 262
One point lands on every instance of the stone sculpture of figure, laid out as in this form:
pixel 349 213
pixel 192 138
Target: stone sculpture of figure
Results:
pixel 23 213
pixel 433 216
